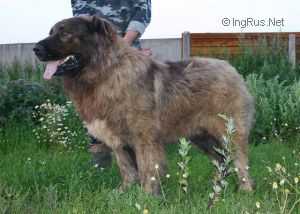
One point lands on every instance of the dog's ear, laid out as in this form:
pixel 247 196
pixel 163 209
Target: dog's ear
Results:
pixel 102 27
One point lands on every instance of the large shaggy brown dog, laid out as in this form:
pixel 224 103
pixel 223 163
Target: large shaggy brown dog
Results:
pixel 128 99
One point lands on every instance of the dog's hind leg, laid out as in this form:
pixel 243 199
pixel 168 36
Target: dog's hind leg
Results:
pixel 209 145
pixel 240 142
pixel 212 147
pixel 240 150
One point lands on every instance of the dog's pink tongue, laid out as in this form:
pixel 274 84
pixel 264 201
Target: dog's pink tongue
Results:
pixel 51 68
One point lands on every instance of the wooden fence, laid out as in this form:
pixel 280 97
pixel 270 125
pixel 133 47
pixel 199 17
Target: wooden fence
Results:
pixel 216 44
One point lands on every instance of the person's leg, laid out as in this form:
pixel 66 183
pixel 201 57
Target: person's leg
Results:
pixel 101 154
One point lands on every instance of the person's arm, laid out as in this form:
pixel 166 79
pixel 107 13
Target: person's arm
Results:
pixel 130 36
pixel 140 20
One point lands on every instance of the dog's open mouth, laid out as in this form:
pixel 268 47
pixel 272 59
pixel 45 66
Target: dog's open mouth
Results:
pixel 60 67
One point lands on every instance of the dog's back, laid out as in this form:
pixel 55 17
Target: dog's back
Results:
pixel 191 94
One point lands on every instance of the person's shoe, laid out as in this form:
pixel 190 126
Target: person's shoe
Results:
pixel 101 155
pixel 101 160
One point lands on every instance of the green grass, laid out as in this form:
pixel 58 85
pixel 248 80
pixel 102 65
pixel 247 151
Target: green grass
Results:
pixel 36 178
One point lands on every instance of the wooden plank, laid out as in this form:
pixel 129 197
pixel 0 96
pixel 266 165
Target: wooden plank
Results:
pixel 210 51
pixel 195 40
pixel 297 47
pixel 199 44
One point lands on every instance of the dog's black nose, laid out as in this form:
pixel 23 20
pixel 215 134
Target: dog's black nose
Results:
pixel 39 50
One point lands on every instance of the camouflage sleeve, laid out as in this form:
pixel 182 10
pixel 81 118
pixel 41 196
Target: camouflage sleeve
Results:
pixel 141 17
pixel 81 7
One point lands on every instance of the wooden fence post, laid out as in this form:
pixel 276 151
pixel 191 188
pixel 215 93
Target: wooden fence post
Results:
pixel 292 49
pixel 186 45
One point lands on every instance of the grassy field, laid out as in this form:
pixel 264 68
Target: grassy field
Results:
pixel 35 178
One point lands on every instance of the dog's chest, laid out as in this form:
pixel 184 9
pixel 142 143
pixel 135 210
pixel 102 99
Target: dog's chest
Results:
pixel 100 130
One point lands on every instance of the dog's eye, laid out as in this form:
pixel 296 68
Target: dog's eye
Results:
pixel 65 35
pixel 61 28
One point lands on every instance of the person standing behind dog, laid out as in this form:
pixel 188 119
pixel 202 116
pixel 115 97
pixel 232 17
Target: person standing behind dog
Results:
pixel 130 17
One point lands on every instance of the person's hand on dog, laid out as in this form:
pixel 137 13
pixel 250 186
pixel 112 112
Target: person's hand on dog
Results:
pixel 131 36
pixel 146 51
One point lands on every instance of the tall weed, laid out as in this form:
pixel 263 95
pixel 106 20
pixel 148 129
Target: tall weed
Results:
pixel 266 58
pixel 277 106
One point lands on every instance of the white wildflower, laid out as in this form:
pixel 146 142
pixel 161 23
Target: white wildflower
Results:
pixel 257 204
pixel 275 185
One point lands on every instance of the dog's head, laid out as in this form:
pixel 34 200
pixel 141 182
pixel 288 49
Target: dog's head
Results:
pixel 77 38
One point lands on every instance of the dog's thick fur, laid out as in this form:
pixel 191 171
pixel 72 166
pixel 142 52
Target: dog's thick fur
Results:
pixel 128 99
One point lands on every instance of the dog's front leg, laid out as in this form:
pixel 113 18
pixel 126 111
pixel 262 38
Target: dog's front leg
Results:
pixel 127 167
pixel 151 165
